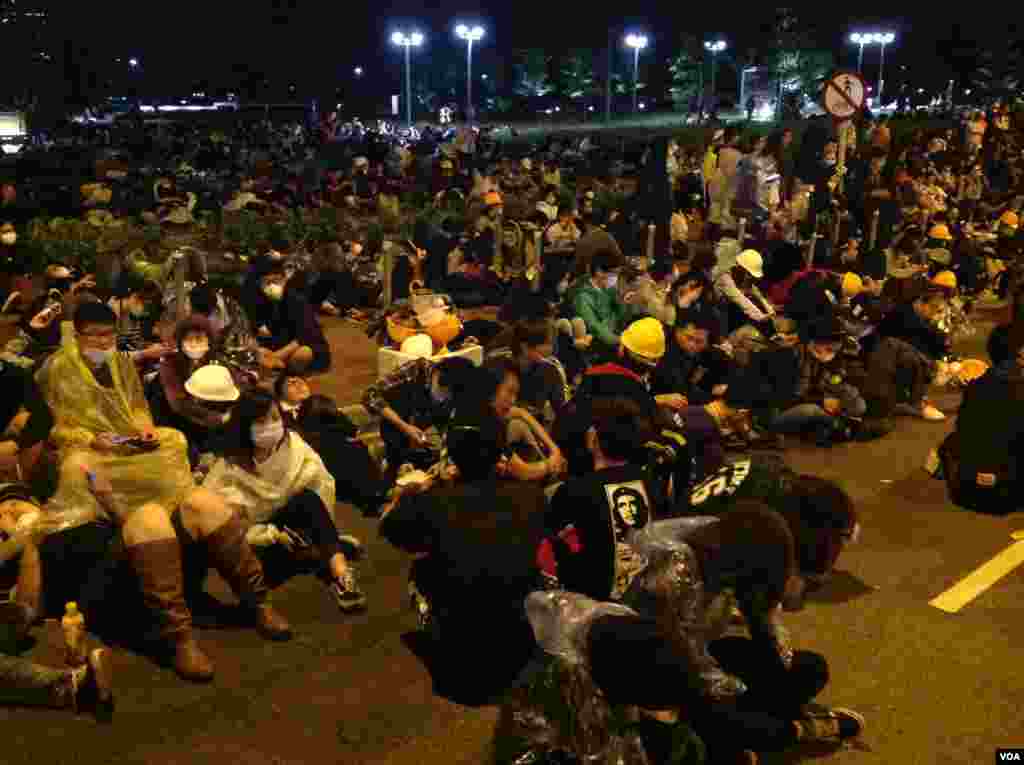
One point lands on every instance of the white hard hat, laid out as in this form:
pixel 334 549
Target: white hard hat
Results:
pixel 418 346
pixel 212 383
pixel 751 262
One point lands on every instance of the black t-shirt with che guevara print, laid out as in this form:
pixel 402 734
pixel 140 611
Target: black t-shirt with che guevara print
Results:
pixel 603 508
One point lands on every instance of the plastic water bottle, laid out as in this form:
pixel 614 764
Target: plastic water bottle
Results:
pixel 73 624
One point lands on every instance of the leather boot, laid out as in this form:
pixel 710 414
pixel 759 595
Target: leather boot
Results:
pixel 235 561
pixel 158 567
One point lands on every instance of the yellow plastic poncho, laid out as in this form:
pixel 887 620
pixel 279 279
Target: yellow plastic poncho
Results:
pixel 82 409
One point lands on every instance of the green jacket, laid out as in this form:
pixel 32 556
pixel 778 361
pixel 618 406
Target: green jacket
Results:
pixel 604 314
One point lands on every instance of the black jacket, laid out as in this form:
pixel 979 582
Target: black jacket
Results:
pixel 904 324
pixel 692 376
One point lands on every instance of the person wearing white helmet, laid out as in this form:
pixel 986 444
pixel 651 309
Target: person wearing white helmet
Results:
pixel 735 282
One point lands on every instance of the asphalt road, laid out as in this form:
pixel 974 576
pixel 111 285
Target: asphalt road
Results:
pixel 935 687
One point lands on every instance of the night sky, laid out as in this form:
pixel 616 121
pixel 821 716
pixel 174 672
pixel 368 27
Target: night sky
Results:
pixel 309 41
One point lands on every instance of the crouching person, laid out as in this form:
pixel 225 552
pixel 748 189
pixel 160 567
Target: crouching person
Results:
pixel 981 459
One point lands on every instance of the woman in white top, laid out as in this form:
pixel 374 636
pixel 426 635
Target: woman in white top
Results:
pixel 281 489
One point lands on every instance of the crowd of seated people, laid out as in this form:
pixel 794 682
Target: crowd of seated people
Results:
pixel 595 490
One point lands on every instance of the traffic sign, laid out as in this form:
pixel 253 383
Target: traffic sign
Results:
pixel 845 94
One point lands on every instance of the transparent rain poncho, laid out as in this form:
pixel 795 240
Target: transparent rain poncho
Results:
pixel 82 409
pixel 560 715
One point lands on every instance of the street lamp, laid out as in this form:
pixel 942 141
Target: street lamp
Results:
pixel 857 38
pixel 883 39
pixel 133 63
pixel 408 41
pixel 637 43
pixel 715 47
pixel 359 71
pixel 470 35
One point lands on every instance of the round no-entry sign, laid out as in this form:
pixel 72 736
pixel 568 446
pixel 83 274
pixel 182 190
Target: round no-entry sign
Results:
pixel 844 95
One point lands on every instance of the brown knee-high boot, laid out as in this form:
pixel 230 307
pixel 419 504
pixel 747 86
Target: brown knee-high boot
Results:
pixel 235 560
pixel 158 567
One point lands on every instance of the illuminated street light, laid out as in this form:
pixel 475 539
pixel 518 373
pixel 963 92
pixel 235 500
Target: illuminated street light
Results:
pixel 887 38
pixel 407 41
pixel 470 35
pixel 716 47
pixel 637 43
pixel 858 38
pixel 873 38
pixel 359 71
pixel 133 62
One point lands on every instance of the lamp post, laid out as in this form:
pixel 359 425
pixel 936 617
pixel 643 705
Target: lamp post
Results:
pixel 715 47
pixel 637 43
pixel 358 71
pixel 887 38
pixel 470 35
pixel 408 41
pixel 860 39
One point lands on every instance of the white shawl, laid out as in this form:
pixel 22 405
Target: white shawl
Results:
pixel 256 496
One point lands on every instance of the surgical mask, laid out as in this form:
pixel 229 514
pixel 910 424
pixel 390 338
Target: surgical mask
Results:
pixel 98 357
pixel 267 436
pixel 9 238
pixel 195 351
pixel 613 281
pixel 274 291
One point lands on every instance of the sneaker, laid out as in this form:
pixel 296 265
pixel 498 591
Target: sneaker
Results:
pixel 351 547
pixel 91 686
pixel 831 725
pixel 346 592
pixel 930 413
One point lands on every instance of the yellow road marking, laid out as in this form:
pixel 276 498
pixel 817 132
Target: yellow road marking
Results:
pixel 975 583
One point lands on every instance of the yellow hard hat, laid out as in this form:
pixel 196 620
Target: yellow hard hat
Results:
pixel 940 231
pixel 945 279
pixel 1009 218
pixel 971 369
pixel 644 340
pixel 853 285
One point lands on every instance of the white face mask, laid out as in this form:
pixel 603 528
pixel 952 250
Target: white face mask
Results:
pixel 98 357
pixel 267 436
pixel 196 351
pixel 9 237
pixel 274 291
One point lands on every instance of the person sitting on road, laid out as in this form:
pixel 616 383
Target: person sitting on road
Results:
pixel 476 544
pixel 275 481
pixel 543 382
pixel 564 232
pixel 597 302
pixel 410 401
pixel 358 477
pixel 803 387
pixel 740 694
pixel 690 369
pixel 102 419
pixel 981 459
pixel 908 356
